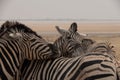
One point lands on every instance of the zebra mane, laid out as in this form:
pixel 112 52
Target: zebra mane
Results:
pixel 8 25
pixel 102 47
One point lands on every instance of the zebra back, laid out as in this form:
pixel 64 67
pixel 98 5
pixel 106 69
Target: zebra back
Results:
pixel 106 48
pixel 89 66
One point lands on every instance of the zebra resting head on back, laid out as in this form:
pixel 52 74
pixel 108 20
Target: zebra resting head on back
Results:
pixel 95 65
pixel 19 42
pixel 71 43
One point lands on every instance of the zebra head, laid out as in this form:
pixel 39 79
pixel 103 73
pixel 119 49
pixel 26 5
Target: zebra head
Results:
pixel 32 44
pixel 71 43
pixel 72 32
pixel 67 47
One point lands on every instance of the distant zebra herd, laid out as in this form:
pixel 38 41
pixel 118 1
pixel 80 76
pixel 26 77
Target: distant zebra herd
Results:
pixel 25 55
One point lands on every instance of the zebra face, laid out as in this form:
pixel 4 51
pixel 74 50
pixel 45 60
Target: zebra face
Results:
pixel 67 47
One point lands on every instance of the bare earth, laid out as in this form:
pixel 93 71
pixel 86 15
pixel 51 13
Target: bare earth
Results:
pixel 101 32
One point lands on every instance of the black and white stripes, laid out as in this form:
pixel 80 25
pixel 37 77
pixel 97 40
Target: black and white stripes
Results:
pixel 89 66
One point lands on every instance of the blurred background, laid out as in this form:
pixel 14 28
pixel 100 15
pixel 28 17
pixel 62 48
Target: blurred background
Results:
pixel 100 19
pixel 85 10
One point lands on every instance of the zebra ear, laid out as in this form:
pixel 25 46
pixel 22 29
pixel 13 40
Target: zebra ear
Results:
pixel 61 31
pixel 73 27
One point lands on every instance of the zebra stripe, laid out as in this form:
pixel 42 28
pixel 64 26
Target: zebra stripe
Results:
pixel 14 49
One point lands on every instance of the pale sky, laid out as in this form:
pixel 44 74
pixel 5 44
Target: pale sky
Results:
pixel 60 9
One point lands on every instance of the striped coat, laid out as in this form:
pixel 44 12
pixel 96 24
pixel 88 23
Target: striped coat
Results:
pixel 89 66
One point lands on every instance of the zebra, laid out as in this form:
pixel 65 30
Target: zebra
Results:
pixel 65 44
pixel 99 65
pixel 84 47
pixel 17 43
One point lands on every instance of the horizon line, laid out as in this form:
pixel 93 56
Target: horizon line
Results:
pixel 61 19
